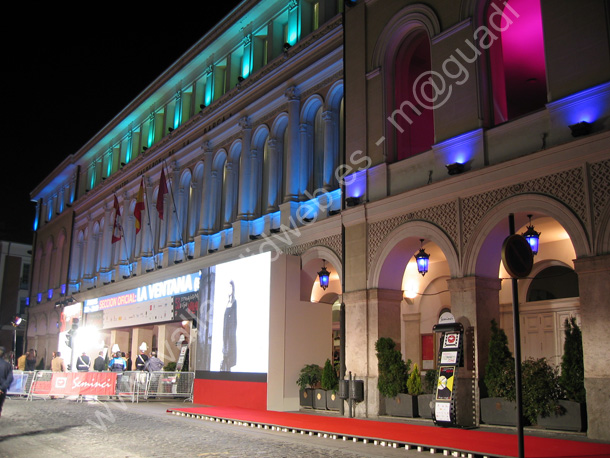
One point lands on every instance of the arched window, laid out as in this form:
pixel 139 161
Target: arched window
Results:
pixel 411 124
pixel 311 168
pixel 555 282
pixel 260 169
pixel 517 60
pixel 97 248
pixel 318 152
pixel 183 210
pixel 216 197
pixel 196 198
pixel 231 186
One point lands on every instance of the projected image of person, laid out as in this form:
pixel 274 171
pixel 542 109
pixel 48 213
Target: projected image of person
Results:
pixel 229 335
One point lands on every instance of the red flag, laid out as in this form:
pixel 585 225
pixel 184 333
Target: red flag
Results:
pixel 117 232
pixel 139 208
pixel 162 192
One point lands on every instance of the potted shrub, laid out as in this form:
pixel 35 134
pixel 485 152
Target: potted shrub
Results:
pixel 309 379
pixel 541 389
pixel 393 376
pixel 497 408
pixel 414 388
pixel 330 385
pixel 571 414
pixel 425 401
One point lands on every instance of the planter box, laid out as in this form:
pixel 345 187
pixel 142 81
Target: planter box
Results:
pixel 306 398
pixel 319 399
pixel 333 401
pixel 423 405
pixel 403 405
pixel 498 411
pixel 573 417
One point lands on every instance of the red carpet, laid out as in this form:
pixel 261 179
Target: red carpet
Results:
pixel 453 439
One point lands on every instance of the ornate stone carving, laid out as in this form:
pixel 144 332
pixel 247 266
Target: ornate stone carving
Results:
pixel 443 216
pixel 566 186
pixel 600 187
pixel 332 242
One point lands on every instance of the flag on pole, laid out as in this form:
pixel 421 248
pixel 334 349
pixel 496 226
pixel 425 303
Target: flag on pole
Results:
pixel 161 194
pixel 139 208
pixel 117 232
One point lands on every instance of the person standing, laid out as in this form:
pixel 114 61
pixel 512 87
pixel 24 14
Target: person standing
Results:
pixel 141 360
pixel 21 362
pixel 154 364
pixel 58 364
pixel 30 361
pixel 83 362
pixel 6 377
pixel 117 364
pixel 100 363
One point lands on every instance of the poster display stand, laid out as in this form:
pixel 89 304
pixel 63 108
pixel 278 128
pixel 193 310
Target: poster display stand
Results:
pixel 450 355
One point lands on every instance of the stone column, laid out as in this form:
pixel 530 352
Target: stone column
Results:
pixel 594 286
pixel 369 315
pixel 474 303
pixel 139 335
pixel 167 338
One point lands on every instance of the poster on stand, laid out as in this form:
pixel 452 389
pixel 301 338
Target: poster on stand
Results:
pixel 444 388
pixel 442 411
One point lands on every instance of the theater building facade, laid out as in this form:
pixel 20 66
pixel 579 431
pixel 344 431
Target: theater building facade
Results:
pixel 299 135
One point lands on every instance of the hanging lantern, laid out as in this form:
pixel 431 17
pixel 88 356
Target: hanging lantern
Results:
pixel 422 258
pixel 532 237
pixel 324 276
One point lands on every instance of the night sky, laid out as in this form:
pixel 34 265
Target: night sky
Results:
pixel 69 73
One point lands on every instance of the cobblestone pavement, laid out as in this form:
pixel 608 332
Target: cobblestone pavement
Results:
pixel 114 429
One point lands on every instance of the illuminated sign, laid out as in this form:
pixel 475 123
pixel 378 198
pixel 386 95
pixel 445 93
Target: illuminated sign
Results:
pixel 172 287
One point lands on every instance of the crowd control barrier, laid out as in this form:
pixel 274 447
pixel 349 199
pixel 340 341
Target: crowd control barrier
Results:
pixel 22 381
pixel 135 385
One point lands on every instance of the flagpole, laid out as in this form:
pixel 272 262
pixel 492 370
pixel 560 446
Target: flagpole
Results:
pixel 171 193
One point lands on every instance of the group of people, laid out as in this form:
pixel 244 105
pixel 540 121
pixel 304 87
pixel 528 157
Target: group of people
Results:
pixel 27 361
pixel 119 362
pixel 143 362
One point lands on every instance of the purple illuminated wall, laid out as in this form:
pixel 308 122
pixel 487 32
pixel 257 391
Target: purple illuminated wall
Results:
pixel 517 60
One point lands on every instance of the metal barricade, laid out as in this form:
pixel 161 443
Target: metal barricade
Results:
pixel 170 385
pixel 22 382
pixel 40 385
pixel 132 384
